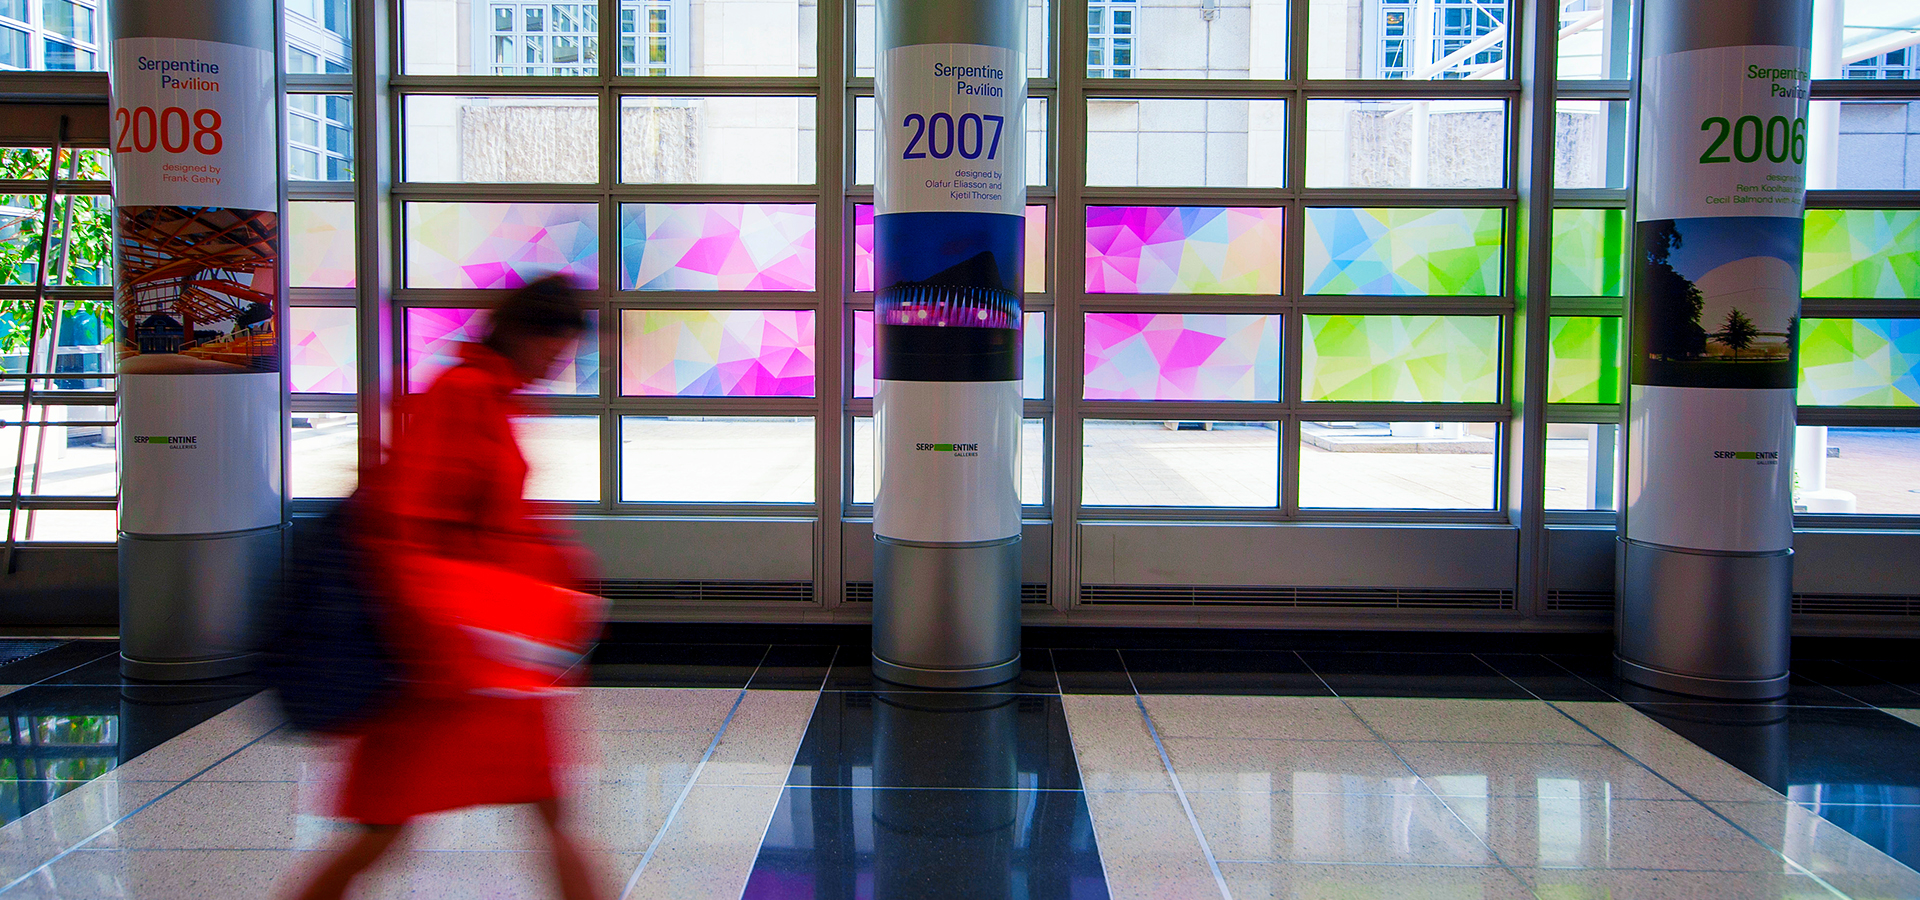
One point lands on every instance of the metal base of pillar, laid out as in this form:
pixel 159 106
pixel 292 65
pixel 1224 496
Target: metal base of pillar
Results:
pixel 946 615
pixel 188 603
pixel 1704 623
pixel 1696 686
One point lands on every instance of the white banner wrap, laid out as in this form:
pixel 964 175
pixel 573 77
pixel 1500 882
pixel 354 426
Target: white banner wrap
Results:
pixel 1711 469
pixel 193 125
pixel 946 460
pixel 202 453
pixel 1731 138
pixel 951 134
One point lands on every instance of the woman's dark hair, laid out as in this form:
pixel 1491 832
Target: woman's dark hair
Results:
pixel 549 307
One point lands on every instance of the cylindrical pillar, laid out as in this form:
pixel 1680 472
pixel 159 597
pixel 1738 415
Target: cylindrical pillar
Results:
pixel 1705 585
pixel 198 302
pixel 949 203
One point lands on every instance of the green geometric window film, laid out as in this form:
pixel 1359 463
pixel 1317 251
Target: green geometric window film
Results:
pixel 1589 252
pixel 1859 362
pixel 1402 359
pixel 1583 359
pixel 1862 253
pixel 1404 252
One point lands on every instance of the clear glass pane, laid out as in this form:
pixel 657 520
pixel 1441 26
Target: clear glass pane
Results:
pixel 319 36
pixel 1590 143
pixel 1595 38
pixel 1186 39
pixel 1388 251
pixel 1183 250
pixel 1871 32
pixel 563 456
pixel 1033 353
pixel 320 244
pixel 66 37
pixel 1859 362
pixel 1866 471
pixel 323 349
pixel 1862 254
pixel 709 459
pixel 326 454
pixel 1038 38
pixel 82 526
pixel 435 338
pixel 716 246
pixel 1865 145
pixel 458 37
pixel 1180 463
pixel 30 164
pixel 717 353
pixel 1037 125
pixel 1397 465
pixel 72 456
pixel 1033 461
pixel 1401 359
pixel 1418 39
pixel 1583 359
pixel 717 140
pixel 1582 463
pixel 1182 356
pixel 495 140
pixel 1589 252
pixel 85 221
pixel 1182 143
pixel 1036 248
pixel 1407 143
pixel 501 245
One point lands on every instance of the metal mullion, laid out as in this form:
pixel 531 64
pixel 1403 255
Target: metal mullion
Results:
pixel 62 397
pixel 1183 410
pixel 322 403
pixel 1067 221
pixel 1583 413
pixel 1340 411
pixel 859 407
pixel 421 191
pixel 1589 198
pixel 1865 89
pixel 64 187
pixel 1404 89
pixel 1193 196
pixel 1268 304
pixel 1400 516
pixel 696 193
pixel 703 86
pixel 1855 522
pixel 320 190
pixel 318 83
pixel 779 407
pixel 798 300
pixel 833 230
pixel 1520 454
pixel 1410 198
pixel 335 297
pixel 1337 304
pixel 1859 416
pixel 1859 308
pixel 1587 306
pixel 640 509
pixel 1592 89
pixel 1189 88
pixel 1863 199
pixel 496 85
pixel 65 501
pixel 1180 515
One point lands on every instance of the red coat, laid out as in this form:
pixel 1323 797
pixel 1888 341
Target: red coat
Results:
pixel 452 488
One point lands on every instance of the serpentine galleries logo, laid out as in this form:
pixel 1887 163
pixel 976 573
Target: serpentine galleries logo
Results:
pixel 955 449
pixel 173 441
pixel 1757 457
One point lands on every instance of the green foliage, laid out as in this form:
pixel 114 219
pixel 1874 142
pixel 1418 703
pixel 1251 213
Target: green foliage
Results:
pixel 87 222
pixel 1737 333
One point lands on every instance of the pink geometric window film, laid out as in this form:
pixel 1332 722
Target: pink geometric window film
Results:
pixel 501 245
pixel 1182 356
pixel 320 243
pixel 716 353
pixel 1033 354
pixel 325 349
pixel 434 337
pixel 1183 250
pixel 716 247
pixel 1035 280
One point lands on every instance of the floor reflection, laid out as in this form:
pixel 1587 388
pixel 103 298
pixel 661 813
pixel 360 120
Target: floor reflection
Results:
pixel 905 794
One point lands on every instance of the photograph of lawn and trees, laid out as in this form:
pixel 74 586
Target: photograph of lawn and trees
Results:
pixel 1718 302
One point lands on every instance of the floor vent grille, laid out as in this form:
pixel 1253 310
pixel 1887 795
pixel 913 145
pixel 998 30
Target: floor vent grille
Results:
pixel 1297 597
pixel 1579 601
pixel 1905 606
pixel 637 590
pixel 862 592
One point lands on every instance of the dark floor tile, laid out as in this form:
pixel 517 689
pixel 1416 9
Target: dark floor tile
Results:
pixel 847 843
pixel 1091 671
pixel 1036 672
pixel 674 665
pixel 1599 671
pixel 1543 677
pixel 106 671
pixel 68 656
pixel 1902 673
pixel 936 739
pixel 1869 689
pixel 1412 675
pixel 793 668
pixel 1269 672
pixel 853 671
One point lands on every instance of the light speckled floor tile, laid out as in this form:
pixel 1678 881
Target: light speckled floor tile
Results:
pixel 6 689
pixel 1855 867
pixel 45 833
pixel 1650 884
pixel 1516 721
pixel 283 755
pixel 710 846
pixel 237 874
pixel 1408 828
pixel 1112 745
pixel 1692 769
pixel 1910 715
pixel 1260 765
pixel 1303 881
pixel 1272 718
pixel 1598 832
pixel 759 744
pixel 206 743
pixel 661 757
pixel 651 709
pixel 1526 770
pixel 1148 847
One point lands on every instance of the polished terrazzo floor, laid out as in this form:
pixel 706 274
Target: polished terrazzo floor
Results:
pixel 1415 768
